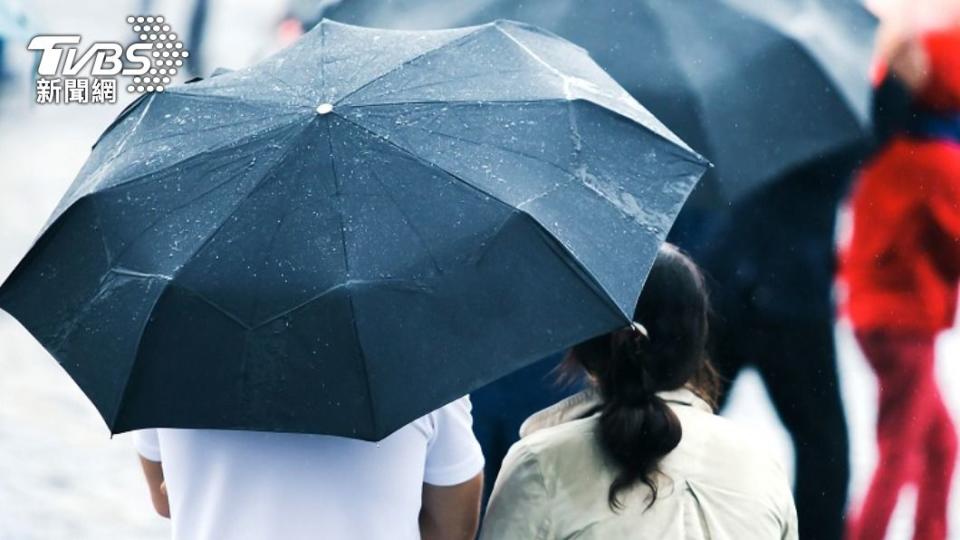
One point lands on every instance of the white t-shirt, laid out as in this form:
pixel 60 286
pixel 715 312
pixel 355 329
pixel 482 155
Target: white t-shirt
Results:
pixel 235 485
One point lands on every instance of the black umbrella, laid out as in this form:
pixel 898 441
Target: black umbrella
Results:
pixel 352 232
pixel 758 86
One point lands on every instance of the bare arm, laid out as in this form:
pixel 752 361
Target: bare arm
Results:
pixel 451 512
pixel 158 490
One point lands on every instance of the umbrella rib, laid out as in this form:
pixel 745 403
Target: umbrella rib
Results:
pixel 75 320
pixel 594 283
pixel 503 148
pixel 325 292
pixel 230 146
pixel 124 114
pixel 203 244
pixel 203 298
pixel 323 56
pixel 684 155
pixel 571 97
pixel 188 92
pixel 518 153
pixel 563 78
pixel 136 354
pixel 299 306
pixel 401 65
pixel 65 335
pixel 406 220
pixel 346 275
pixel 121 271
pixel 207 129
pixel 689 155
pixel 393 91
pixel 174 209
pixel 577 267
pixel 269 252
pixel 456 102
pixel 103 239
pixel 168 283
pixel 247 196
pixel 423 161
pixel 126 137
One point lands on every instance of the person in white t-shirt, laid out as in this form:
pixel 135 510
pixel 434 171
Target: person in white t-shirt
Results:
pixel 423 481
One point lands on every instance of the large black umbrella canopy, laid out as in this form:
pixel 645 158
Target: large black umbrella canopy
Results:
pixel 351 233
pixel 758 86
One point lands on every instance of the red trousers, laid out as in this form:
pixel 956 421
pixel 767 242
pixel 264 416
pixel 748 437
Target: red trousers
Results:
pixel 916 438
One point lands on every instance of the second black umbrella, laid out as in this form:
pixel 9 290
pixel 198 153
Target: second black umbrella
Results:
pixel 758 86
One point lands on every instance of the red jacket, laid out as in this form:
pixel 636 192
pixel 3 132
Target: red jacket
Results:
pixel 902 266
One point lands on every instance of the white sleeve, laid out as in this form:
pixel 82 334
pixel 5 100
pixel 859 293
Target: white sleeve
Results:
pixel 147 443
pixel 453 454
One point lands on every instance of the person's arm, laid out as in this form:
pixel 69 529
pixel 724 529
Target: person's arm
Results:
pixel 941 84
pixel 451 512
pixel 452 476
pixel 943 239
pixel 147 444
pixel 153 472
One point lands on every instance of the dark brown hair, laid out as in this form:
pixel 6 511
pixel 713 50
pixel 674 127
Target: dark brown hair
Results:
pixel 636 427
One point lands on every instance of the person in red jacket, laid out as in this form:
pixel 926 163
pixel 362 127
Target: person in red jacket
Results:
pixel 902 269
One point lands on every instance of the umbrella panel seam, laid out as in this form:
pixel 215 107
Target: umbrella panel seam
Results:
pixel 153 176
pixel 353 309
pixel 203 244
pixel 598 288
pixel 202 154
pixel 453 42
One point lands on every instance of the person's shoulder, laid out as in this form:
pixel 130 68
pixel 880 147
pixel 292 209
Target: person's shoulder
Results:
pixel 725 434
pixel 560 438
pixel 720 452
pixel 563 447
pixel 458 408
pixel 566 459
pixel 458 411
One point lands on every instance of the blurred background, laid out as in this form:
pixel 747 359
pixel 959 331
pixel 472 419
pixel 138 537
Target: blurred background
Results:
pixel 61 474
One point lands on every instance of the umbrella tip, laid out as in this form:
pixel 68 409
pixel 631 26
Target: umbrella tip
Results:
pixel 324 108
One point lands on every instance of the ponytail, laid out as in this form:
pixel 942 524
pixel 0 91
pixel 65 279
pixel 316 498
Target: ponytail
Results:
pixel 636 427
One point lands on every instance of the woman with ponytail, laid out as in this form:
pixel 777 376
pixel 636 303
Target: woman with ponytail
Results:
pixel 640 454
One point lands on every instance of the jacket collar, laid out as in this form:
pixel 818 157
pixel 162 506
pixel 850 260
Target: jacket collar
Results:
pixel 587 403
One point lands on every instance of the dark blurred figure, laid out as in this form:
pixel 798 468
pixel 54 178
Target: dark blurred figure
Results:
pixel 195 38
pixel 771 262
pixel 15 30
pixel 500 407
pixel 902 268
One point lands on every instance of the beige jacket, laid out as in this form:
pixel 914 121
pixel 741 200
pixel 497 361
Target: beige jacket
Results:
pixel 718 484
